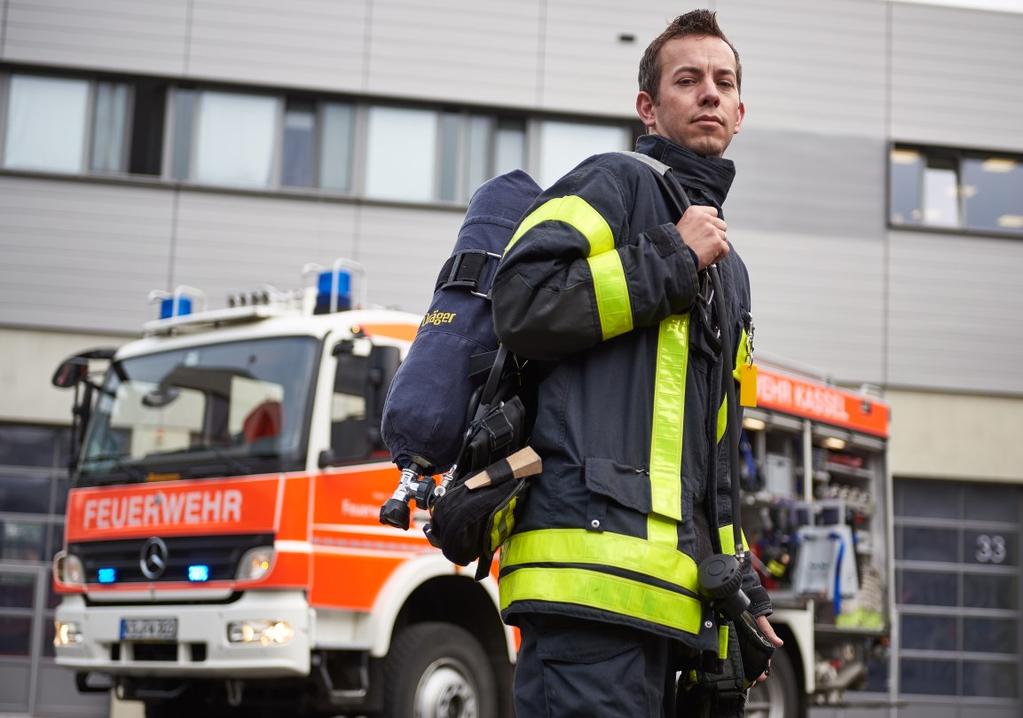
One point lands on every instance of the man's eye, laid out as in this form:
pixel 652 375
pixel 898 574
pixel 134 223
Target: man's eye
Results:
pixel 726 84
pixel 686 81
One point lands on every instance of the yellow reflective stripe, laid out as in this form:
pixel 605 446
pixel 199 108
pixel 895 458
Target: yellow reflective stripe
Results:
pixel 669 408
pixel 609 286
pixel 602 591
pixel 503 523
pixel 579 546
pixel 661 530
pixel 728 538
pixel 741 358
pixel 612 292
pixel 723 642
pixel 741 354
pixel 722 418
pixel 575 212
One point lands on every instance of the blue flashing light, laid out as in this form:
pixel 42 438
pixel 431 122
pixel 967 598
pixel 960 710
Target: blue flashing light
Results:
pixel 107 575
pixel 167 308
pixel 325 287
pixel 198 572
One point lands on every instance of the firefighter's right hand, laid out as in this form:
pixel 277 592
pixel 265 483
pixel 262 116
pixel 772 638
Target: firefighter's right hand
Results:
pixel 705 233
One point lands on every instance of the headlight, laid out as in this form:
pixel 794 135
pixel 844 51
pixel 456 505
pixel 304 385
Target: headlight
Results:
pixel 67 568
pixel 256 563
pixel 66 633
pixel 263 632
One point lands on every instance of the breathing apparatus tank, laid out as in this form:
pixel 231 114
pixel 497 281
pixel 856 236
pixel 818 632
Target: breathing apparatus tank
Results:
pixel 430 401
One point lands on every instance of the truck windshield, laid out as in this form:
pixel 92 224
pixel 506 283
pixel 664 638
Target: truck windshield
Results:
pixel 214 410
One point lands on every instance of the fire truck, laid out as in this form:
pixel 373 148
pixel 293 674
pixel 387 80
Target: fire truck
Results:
pixel 223 553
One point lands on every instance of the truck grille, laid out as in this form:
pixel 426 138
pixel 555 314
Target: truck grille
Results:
pixel 220 554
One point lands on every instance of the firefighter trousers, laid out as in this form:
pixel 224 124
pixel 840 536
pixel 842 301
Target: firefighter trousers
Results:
pixel 575 668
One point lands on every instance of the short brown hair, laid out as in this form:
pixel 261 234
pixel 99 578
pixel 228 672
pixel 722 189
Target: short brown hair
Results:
pixel 694 22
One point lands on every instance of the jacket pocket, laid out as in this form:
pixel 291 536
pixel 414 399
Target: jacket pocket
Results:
pixel 625 485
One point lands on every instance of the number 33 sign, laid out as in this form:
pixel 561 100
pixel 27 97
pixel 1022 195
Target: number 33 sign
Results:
pixel 990 549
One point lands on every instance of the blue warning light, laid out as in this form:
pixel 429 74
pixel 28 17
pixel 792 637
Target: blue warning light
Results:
pixel 177 306
pixel 198 572
pixel 107 575
pixel 333 291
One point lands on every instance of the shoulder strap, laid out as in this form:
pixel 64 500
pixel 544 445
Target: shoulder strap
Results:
pixel 667 179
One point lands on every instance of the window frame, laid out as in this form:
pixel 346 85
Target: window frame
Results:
pixel 126 132
pixel 530 122
pixel 956 155
pixel 88 146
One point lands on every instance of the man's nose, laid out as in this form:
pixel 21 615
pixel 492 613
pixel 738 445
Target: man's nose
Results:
pixel 709 94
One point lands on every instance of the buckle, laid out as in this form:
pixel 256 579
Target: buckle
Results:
pixel 468 269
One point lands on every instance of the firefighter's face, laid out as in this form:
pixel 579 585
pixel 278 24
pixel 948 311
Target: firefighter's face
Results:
pixel 698 102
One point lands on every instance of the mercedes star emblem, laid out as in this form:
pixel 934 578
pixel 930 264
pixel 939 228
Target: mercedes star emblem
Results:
pixel 153 558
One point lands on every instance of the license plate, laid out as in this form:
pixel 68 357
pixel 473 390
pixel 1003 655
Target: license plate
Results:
pixel 149 629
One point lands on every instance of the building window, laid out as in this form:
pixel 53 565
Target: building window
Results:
pixel 46 119
pixel 563 145
pixel 336 142
pixel 56 124
pixel 109 127
pixel 993 199
pixel 239 140
pixel 234 142
pixel 298 153
pixel 957 561
pixel 955 190
pixel 401 153
pixel 473 149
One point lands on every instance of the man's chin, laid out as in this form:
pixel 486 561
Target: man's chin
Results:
pixel 708 147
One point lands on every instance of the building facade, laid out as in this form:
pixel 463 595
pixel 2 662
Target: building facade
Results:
pixel 223 144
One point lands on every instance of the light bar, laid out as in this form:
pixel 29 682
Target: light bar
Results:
pixel 198 572
pixel 333 291
pixel 107 575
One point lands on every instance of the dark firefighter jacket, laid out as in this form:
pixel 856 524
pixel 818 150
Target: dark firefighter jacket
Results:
pixel 597 281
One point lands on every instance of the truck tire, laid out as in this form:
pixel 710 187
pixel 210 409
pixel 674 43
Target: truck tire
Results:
pixel 438 670
pixel 778 697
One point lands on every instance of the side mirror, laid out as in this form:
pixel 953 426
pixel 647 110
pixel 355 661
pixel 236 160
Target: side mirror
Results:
pixel 326 458
pixel 75 368
pixel 71 371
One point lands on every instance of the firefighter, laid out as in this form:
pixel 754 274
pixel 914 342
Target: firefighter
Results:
pixel 604 281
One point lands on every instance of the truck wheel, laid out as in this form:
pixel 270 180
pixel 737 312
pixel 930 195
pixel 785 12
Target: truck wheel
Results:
pixel 438 670
pixel 778 696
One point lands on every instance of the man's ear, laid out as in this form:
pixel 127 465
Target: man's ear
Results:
pixel 645 109
pixel 742 115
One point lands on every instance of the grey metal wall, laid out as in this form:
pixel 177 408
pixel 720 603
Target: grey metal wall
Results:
pixel 82 255
pixel 956 76
pixel 827 83
pixel 813 65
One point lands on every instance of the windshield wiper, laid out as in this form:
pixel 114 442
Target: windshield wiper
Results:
pixel 133 472
pixel 229 460
pixel 200 465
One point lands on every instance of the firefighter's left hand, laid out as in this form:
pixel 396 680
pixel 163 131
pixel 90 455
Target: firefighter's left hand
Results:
pixel 765 627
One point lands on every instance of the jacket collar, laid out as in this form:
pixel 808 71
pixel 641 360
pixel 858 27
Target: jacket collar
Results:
pixel 706 179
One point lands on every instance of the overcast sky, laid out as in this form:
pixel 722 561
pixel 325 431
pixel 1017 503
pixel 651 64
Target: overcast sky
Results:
pixel 1006 5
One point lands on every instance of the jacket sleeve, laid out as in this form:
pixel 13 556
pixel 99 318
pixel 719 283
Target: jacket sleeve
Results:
pixel 575 274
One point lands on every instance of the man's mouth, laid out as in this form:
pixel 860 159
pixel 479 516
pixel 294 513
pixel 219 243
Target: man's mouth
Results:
pixel 708 118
